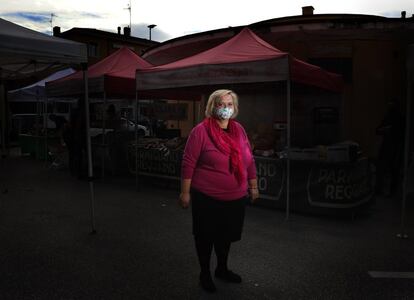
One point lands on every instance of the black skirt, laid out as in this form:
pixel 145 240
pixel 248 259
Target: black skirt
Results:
pixel 216 220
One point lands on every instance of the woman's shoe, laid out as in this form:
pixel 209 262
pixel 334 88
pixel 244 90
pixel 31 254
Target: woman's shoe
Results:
pixel 228 276
pixel 207 283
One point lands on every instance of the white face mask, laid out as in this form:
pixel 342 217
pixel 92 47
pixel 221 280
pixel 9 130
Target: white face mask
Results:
pixel 224 113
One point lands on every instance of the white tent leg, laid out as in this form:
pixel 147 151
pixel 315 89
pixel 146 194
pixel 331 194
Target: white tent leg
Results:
pixel 46 116
pixel 3 189
pixel 288 149
pixel 89 149
pixel 38 114
pixel 136 140
pixel 3 119
pixel 103 138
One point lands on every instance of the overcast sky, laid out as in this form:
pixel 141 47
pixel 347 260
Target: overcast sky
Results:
pixel 179 17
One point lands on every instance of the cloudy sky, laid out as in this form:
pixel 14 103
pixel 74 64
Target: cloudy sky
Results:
pixel 179 17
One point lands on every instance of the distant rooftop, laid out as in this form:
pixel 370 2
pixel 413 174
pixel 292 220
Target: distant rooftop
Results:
pixel 126 36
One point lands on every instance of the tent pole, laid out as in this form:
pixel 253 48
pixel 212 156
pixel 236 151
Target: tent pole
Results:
pixel 202 105
pixel 403 233
pixel 88 147
pixel 194 115
pixel 37 120
pixel 37 125
pixel 3 118
pixel 288 148
pixel 153 115
pixel 46 121
pixel 178 120
pixel 136 140
pixel 3 115
pixel 103 137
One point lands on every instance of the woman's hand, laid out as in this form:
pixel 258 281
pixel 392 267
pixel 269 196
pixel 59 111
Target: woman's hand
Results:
pixel 254 194
pixel 184 200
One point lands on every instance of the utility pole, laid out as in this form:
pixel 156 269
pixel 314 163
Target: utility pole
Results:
pixel 130 12
pixel 51 22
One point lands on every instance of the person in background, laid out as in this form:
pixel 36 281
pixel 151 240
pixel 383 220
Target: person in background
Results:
pixel 112 118
pixel 218 174
pixel 390 155
pixel 60 124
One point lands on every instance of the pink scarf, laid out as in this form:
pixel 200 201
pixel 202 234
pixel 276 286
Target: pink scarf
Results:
pixel 228 143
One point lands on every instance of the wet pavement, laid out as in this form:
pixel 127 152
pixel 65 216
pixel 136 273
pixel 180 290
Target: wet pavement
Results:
pixel 143 248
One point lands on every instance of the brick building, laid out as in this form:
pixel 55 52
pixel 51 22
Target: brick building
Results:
pixel 103 43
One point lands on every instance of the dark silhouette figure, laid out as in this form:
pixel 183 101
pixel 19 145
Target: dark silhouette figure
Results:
pixel 59 121
pixel 112 118
pixel 62 126
pixel 391 150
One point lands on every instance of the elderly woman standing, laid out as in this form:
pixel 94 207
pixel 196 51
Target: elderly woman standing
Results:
pixel 218 174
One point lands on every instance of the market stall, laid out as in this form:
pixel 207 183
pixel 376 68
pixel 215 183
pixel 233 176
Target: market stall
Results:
pixel 112 85
pixel 247 61
pixel 25 53
pixel 30 115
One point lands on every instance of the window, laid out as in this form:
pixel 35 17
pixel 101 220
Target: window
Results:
pixel 92 50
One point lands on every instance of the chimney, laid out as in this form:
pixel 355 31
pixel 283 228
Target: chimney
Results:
pixel 403 13
pixel 56 31
pixel 307 10
pixel 127 31
pixel 119 29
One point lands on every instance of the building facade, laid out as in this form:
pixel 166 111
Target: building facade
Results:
pixel 103 43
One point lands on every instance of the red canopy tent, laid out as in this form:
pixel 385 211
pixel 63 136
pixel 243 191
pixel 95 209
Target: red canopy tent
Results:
pixel 245 58
pixel 114 76
pixel 242 59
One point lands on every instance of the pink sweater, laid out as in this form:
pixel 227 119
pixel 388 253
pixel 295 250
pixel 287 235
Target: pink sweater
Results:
pixel 208 168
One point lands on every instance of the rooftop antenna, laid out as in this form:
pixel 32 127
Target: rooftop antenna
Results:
pixel 51 21
pixel 129 8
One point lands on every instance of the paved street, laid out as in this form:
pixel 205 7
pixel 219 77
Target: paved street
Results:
pixel 144 247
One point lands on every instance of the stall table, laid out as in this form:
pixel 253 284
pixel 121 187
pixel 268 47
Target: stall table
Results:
pixel 316 186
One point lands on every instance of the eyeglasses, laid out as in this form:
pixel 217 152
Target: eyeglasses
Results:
pixel 230 104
